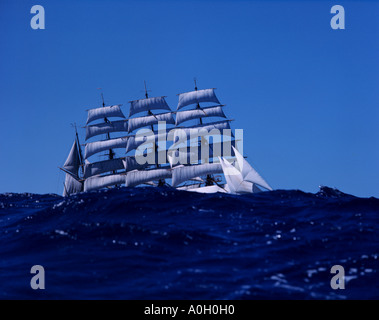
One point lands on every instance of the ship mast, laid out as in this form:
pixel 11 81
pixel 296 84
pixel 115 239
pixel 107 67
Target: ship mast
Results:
pixel 198 105
pixel 209 181
pixel 111 153
pixel 161 182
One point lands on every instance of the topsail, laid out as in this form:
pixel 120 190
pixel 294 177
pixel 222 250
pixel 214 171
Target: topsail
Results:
pixel 182 116
pixel 107 127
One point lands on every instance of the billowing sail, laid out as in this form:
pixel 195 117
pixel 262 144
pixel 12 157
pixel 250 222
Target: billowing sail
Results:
pixel 101 128
pixel 182 116
pixel 133 143
pixel 178 157
pixel 134 178
pixel 184 173
pixel 96 168
pixel 71 186
pixel 104 112
pixel 98 146
pixel 156 103
pixel 130 164
pixel 188 155
pixel 73 161
pixel 220 125
pixel 194 97
pixel 98 182
pixel 136 123
pixel 248 172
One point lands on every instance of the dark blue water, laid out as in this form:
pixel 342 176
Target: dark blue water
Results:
pixel 153 243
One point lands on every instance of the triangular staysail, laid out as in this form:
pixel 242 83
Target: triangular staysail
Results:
pixel 248 172
pixel 71 167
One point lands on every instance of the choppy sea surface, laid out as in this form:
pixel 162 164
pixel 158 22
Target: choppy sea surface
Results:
pixel 160 243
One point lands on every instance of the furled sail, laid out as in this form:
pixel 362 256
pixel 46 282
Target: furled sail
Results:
pixel 184 173
pixel 248 172
pixel 98 146
pixel 104 112
pixel 71 186
pixel 136 123
pixel 73 161
pixel 134 178
pixel 194 97
pixel 98 182
pixel 182 116
pixel 101 128
pixel 155 103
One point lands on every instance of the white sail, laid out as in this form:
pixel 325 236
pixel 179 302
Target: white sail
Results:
pixel 101 128
pixel 179 157
pixel 156 103
pixel 104 112
pixel 220 125
pixel 134 178
pixel 98 182
pixel 234 179
pixel 71 186
pixel 130 164
pixel 73 161
pixel 194 97
pixel 96 168
pixel 184 173
pixel 248 172
pixel 207 189
pixel 182 116
pixel 136 123
pixel 98 146
pixel 189 155
pixel 133 143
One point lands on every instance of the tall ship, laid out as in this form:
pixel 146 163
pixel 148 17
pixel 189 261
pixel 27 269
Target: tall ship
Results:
pixel 192 148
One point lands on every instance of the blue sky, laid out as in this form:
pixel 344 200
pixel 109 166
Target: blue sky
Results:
pixel 306 95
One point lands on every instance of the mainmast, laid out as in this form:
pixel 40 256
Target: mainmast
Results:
pixel 209 181
pixel 161 182
pixel 154 172
pixel 111 153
